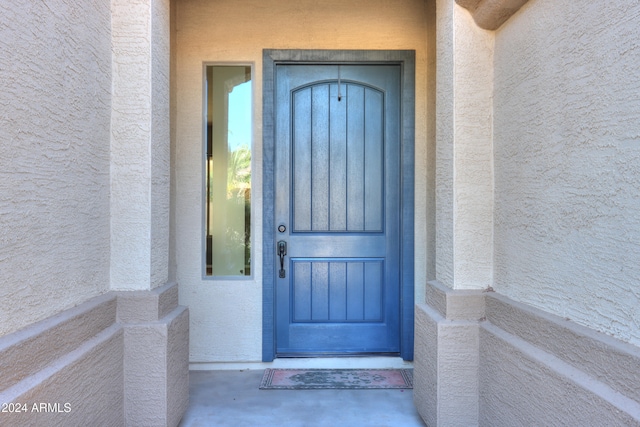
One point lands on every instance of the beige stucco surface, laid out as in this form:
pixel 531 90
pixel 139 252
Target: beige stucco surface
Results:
pixel 491 14
pixel 226 316
pixel 55 106
pixel 464 175
pixel 140 147
pixel 567 162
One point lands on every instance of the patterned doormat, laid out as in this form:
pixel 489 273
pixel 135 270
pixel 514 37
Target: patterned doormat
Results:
pixel 307 379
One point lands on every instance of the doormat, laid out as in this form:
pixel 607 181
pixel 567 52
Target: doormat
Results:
pixel 309 379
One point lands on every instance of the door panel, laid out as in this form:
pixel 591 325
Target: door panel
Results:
pixel 337 194
pixel 337 290
pixel 337 163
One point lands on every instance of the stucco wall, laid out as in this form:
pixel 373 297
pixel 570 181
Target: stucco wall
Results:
pixel 75 359
pixel 140 148
pixel 464 181
pixel 226 316
pixel 567 162
pixel 55 79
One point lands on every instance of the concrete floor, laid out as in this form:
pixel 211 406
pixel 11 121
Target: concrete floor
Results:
pixel 232 398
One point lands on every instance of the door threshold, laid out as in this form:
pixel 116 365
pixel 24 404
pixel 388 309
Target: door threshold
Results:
pixel 373 362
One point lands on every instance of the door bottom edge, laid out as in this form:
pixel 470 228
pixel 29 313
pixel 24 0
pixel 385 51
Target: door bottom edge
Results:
pixel 317 355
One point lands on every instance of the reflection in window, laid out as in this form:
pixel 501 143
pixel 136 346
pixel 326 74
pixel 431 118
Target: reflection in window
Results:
pixel 228 171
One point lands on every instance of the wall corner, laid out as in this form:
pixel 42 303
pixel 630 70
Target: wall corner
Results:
pixel 156 356
pixel 446 364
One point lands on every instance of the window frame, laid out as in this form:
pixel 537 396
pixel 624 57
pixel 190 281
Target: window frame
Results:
pixel 203 181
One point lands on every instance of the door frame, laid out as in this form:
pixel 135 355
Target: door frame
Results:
pixel 406 59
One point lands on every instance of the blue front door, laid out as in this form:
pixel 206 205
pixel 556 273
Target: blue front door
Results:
pixel 337 209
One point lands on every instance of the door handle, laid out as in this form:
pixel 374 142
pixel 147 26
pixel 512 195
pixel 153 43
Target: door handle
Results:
pixel 282 251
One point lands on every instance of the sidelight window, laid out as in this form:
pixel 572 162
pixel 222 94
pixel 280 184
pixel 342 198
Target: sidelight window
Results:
pixel 228 136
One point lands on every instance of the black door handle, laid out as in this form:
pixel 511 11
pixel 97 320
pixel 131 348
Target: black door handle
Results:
pixel 282 251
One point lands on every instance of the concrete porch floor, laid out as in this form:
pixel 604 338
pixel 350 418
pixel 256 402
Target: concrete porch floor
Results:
pixel 232 398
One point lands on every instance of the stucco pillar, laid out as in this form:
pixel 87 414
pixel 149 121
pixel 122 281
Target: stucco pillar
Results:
pixel 140 144
pixel 156 328
pixel 446 364
pixel 156 356
pixel 446 386
pixel 464 176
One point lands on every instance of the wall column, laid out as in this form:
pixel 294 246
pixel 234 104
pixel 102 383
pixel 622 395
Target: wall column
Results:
pixel 446 385
pixel 464 150
pixel 140 144
pixel 156 328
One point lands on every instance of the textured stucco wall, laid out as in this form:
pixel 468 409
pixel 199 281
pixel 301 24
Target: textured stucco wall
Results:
pixel 490 14
pixel 540 369
pixel 444 147
pixel 226 316
pixel 160 142
pixel 484 359
pixel 118 359
pixel 55 105
pixel 464 181
pixel 74 360
pixel 446 362
pixel 567 162
pixel 140 144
